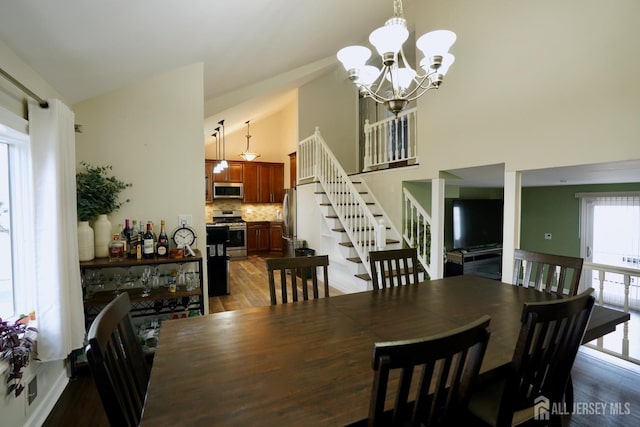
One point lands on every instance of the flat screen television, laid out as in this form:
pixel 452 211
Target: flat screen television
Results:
pixel 477 223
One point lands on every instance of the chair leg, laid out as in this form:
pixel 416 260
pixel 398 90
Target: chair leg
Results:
pixel 568 393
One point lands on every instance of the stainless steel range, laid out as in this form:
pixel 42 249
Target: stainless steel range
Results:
pixel 237 246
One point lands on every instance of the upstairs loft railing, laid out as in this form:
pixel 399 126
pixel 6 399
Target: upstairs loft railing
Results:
pixel 416 229
pixel 315 161
pixel 618 287
pixel 392 140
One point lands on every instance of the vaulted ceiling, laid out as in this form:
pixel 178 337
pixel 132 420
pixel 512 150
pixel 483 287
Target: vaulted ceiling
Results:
pixel 84 49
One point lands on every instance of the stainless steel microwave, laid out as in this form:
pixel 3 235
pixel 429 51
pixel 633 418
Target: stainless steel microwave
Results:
pixel 228 190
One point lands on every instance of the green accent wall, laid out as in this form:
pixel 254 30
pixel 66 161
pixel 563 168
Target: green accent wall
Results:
pixel 556 210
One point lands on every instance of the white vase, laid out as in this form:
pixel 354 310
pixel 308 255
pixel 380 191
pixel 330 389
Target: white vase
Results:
pixel 102 235
pixel 86 250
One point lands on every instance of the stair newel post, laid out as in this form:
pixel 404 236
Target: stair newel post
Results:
pixel 381 235
pixel 367 145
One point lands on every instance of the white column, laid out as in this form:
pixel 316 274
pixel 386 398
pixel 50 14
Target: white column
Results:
pixel 511 226
pixel 437 228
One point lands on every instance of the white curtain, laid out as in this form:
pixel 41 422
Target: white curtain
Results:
pixel 59 305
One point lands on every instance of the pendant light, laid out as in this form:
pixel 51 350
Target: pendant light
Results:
pixel 217 168
pixel 246 154
pixel 223 163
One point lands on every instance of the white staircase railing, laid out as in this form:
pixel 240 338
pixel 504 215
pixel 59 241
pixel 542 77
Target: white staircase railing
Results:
pixel 416 229
pixel 617 287
pixel 391 140
pixel 316 161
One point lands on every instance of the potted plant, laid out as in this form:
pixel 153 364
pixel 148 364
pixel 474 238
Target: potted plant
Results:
pixel 16 346
pixel 97 193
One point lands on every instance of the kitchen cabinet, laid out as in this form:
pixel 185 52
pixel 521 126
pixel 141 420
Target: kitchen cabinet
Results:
pixel 264 236
pixel 263 182
pixel 98 281
pixel 257 237
pixel 233 173
pixel 275 237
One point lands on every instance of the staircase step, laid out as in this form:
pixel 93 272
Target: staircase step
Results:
pixel 339 192
pixel 342 230
pixel 346 204
pixel 350 216
pixel 350 244
pixel 355 259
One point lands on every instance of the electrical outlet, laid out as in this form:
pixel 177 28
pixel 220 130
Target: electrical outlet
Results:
pixel 32 390
pixel 547 236
pixel 185 219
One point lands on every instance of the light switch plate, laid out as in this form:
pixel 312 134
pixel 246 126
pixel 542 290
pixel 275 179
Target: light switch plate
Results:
pixel 547 236
pixel 185 219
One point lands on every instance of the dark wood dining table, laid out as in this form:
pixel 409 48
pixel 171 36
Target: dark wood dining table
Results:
pixel 309 363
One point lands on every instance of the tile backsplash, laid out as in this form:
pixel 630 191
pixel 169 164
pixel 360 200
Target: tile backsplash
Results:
pixel 250 211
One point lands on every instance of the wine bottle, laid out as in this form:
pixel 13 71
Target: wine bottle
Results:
pixel 133 240
pixel 155 236
pixel 163 241
pixel 147 246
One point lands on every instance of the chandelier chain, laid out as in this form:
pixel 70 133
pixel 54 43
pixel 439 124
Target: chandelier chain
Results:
pixel 397 8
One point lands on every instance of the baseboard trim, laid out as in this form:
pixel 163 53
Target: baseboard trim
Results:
pixel 42 411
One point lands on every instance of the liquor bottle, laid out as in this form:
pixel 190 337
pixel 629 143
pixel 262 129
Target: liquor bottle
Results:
pixel 116 248
pixel 163 241
pixel 126 237
pixel 133 240
pixel 123 239
pixel 147 243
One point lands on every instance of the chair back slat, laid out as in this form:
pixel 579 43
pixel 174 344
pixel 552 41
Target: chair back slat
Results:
pixel 547 272
pixel 547 345
pixel 304 268
pixel 448 364
pixel 117 363
pixel 393 267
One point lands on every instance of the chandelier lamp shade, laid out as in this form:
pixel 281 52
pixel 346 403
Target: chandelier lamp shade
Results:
pixel 246 154
pixel 221 151
pixel 396 83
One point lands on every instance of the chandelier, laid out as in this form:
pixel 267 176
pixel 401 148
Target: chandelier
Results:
pixel 395 84
pixel 220 152
pixel 246 154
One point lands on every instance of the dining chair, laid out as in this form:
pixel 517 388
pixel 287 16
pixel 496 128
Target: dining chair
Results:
pixel 447 365
pixel 549 338
pixel 117 363
pixel 544 271
pixel 393 267
pixel 291 269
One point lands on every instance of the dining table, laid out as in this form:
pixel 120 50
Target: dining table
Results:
pixel 308 363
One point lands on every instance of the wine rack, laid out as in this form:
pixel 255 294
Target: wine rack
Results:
pixel 160 304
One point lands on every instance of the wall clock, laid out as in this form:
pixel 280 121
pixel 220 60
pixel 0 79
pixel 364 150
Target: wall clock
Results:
pixel 184 235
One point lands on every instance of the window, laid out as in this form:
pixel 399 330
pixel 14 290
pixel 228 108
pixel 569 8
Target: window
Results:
pixel 16 234
pixel 6 259
pixel 611 236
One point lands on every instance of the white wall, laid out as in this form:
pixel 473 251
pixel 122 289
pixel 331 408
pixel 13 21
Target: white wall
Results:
pixel 151 133
pixel 535 84
pixel 331 103
pixel 11 98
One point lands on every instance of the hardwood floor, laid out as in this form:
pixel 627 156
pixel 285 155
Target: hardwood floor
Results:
pixel 597 379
